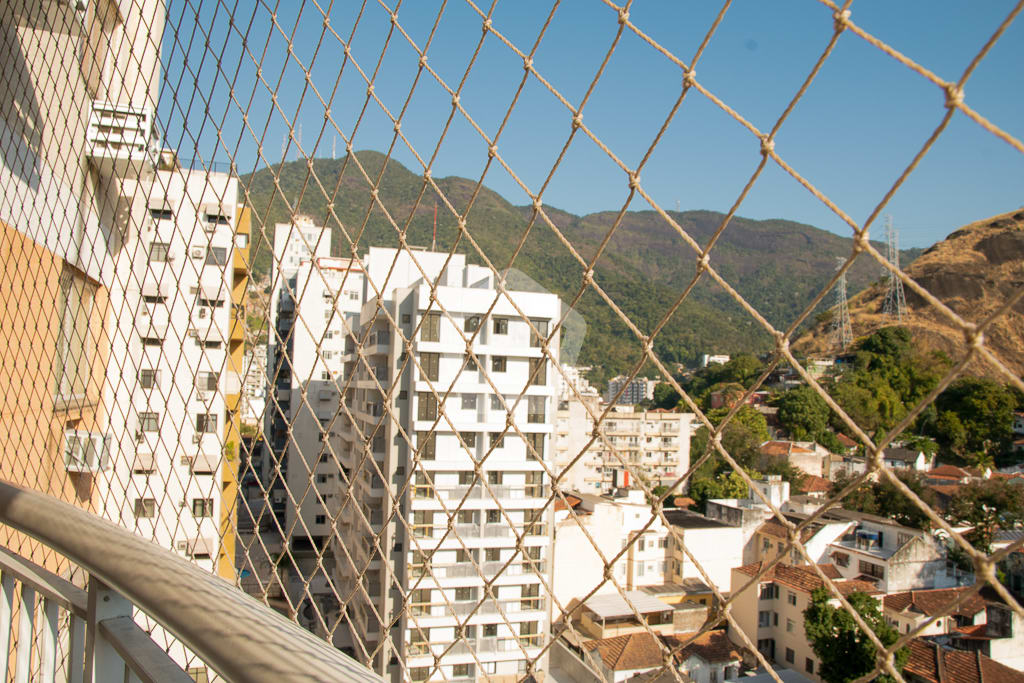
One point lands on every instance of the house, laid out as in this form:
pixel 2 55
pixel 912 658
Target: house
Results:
pixel 772 539
pixel 772 608
pixel 749 513
pixel 899 458
pixel 609 616
pixel 807 456
pixel 894 557
pixel 815 487
pixel 1000 637
pixel 716 546
pixel 708 658
pixel 932 663
pixel 907 610
pixel 1018 423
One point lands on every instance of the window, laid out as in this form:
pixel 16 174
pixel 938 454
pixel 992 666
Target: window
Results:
pixel 538 371
pixel 536 440
pixel 872 569
pixel 199 674
pixel 206 423
pixel 490 630
pixel 902 539
pixel 790 655
pixel 431 329
pixel 320 519
pixel 75 344
pixel 147 379
pixel 463 671
pixel 492 554
pixel 429 362
pixel 496 402
pixel 489 667
pixel 809 665
pixel 467 478
pixel 764 618
pixel 149 422
pixel 203 344
pixel 469 438
pixel 789 625
pixel 494 478
pixel 465 594
pixel 500 326
pixel 494 516
pixel 769 591
pixel 472 323
pixel 791 598
pixel 541 334
pixel 469 401
pixel 497 440
pixel 419 673
pixel 498 363
pixel 207 381
pixel 841 559
pixel 159 251
pixel 427 406
pixel 535 414
pixel 216 256
pixel 425 441
pixel 471 365
pixel 202 507
pixel 145 507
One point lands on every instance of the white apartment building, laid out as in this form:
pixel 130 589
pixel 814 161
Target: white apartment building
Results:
pixel 654 560
pixel 467 430
pixel 654 443
pixel 175 375
pixel 636 390
pixel 574 382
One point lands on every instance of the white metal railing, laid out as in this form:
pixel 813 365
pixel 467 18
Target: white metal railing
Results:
pixel 59 631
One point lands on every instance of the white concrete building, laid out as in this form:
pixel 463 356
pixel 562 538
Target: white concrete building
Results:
pixel 255 387
pixel 458 445
pixel 175 372
pixel 654 443
pixel 573 382
pixel 636 390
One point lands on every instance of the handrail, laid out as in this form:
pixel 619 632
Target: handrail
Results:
pixel 237 636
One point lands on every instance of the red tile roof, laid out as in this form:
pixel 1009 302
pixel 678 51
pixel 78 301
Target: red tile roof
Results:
pixel 933 602
pixel 783 448
pixel 712 647
pixel 847 441
pixel 948 471
pixel 974 632
pixel 805 579
pixel 930 662
pixel 572 500
pixel 815 484
pixel 629 652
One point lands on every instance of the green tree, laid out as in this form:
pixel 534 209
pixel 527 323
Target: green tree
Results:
pixel 726 484
pixel 986 506
pixel 983 412
pixel 883 498
pixel 803 413
pixel 665 396
pixel 845 651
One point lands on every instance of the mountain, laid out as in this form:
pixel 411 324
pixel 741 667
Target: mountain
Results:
pixel 974 272
pixel 777 265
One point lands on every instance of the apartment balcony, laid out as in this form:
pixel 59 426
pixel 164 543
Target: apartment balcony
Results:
pixel 151 329
pixel 122 140
pixel 57 630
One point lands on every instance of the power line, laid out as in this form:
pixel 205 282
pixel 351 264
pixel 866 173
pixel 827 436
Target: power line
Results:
pixel 842 330
pixel 895 305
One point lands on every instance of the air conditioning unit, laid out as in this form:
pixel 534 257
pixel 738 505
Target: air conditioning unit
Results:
pixel 198 252
pixel 86 451
pixel 203 312
pixel 182 546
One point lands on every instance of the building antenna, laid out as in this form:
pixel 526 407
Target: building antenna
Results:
pixel 842 331
pixel 895 305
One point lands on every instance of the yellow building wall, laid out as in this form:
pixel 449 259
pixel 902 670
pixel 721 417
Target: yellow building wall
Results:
pixel 32 423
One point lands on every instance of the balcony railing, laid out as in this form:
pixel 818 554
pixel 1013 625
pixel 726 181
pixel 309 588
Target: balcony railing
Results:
pixel 91 634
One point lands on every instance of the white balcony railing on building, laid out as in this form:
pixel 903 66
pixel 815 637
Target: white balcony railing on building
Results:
pixel 56 630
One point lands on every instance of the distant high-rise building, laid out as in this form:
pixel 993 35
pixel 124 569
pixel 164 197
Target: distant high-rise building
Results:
pixel 636 390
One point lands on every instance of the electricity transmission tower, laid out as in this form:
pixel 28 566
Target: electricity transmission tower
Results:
pixel 895 305
pixel 842 331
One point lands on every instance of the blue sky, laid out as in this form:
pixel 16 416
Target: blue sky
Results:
pixel 858 126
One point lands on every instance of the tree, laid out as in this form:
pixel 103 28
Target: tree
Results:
pixel 803 413
pixel 883 498
pixel 727 484
pixel 983 412
pixel 665 396
pixel 987 505
pixel 845 651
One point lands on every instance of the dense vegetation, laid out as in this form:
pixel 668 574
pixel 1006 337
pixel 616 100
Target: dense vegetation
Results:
pixel 844 650
pixel 644 269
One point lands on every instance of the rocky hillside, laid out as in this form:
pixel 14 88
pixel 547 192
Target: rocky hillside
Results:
pixel 973 272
